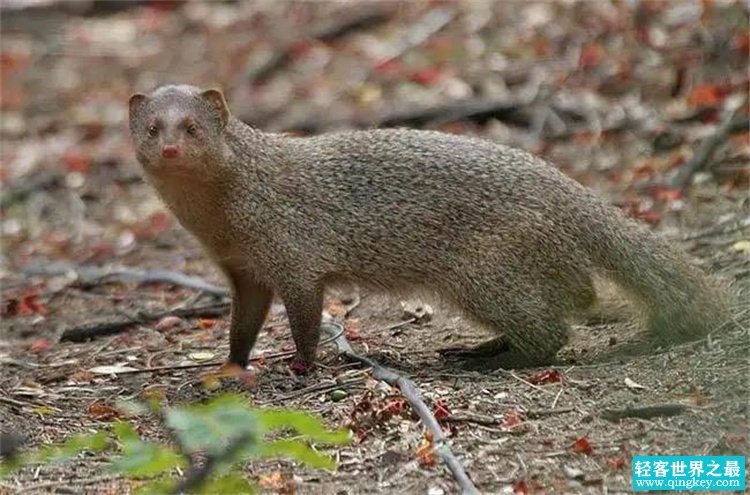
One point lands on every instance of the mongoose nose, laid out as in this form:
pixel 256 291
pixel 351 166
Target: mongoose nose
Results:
pixel 170 151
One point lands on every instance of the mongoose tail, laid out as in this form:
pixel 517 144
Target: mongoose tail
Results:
pixel 680 301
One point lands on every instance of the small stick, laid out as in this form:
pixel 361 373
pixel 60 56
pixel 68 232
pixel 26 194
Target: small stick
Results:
pixel 90 274
pixel 703 153
pixel 86 332
pixel 644 412
pixel 410 392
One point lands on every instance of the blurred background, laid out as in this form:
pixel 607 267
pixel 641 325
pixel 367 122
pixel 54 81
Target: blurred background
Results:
pixel 617 93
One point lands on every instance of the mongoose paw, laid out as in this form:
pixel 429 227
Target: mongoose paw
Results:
pixel 485 349
pixel 301 367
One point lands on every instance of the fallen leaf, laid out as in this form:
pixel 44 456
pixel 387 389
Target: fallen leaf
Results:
pixel 631 384
pixel 705 95
pixel 110 369
pixel 615 463
pixel 549 376
pixel 206 323
pixel 583 446
pixel 201 356
pixel 154 393
pixel 167 323
pixel 741 246
pixel 102 411
pixel 441 410
pixel 427 76
pixel 426 451
pixel 591 56
pixel 513 420
pixel 40 346
pixel 75 161
pixel 81 377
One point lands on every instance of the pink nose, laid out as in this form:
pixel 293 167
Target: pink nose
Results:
pixel 170 151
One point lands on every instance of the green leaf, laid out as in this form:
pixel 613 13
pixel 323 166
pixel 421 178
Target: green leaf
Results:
pixel 142 458
pixel 210 427
pixel 9 467
pixel 229 484
pixel 156 487
pixel 73 446
pixel 305 424
pixel 125 433
pixel 298 450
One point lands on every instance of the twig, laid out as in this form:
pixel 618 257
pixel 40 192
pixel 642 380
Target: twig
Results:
pixel 86 332
pixel 513 375
pixel 197 476
pixel 325 31
pixel 702 155
pixel 88 275
pixel 644 412
pixel 25 186
pixel 71 482
pixel 410 392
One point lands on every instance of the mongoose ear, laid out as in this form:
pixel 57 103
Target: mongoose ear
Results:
pixel 135 103
pixel 216 98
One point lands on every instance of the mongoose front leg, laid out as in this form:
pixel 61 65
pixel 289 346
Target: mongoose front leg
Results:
pixel 304 308
pixel 250 302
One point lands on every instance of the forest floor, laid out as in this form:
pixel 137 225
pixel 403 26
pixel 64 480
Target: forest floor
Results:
pixel 619 98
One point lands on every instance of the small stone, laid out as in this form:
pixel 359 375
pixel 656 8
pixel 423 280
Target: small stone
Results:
pixel 338 395
pixel 573 473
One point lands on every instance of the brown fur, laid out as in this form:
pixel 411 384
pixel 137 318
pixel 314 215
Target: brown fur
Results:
pixel 507 238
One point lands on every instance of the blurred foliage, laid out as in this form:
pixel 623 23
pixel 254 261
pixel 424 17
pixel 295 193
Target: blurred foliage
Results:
pixel 226 431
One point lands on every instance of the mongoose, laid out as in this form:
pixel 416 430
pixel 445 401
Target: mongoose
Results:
pixel 506 237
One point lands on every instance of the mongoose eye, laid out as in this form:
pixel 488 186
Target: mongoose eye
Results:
pixel 153 131
pixel 192 129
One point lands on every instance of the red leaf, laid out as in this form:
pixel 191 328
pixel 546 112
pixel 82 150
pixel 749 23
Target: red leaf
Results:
pixel 101 411
pixel 583 446
pixel 167 323
pixel 663 193
pixel 549 376
pixel 40 346
pixel 206 323
pixel 397 406
pixel 388 66
pixel 591 56
pixel 427 76
pixel 75 161
pixel 441 410
pixel 615 463
pixel 705 95
pixel 521 487
pixel 512 419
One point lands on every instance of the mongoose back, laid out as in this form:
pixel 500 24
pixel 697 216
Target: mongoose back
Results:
pixel 506 237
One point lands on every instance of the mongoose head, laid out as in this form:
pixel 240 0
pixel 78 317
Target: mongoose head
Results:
pixel 178 129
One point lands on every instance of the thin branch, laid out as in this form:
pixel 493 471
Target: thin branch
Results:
pixel 706 149
pixel 644 412
pixel 89 331
pixel 410 392
pixel 326 31
pixel 90 275
pixel 197 476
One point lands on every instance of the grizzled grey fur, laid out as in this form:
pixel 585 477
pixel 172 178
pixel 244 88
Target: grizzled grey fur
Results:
pixel 507 238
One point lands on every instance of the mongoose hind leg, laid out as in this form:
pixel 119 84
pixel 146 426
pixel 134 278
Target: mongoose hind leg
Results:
pixel 532 331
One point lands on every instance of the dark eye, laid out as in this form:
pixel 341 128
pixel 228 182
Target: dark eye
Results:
pixel 153 131
pixel 192 129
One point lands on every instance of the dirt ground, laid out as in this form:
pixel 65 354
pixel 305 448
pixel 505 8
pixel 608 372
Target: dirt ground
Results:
pixel 622 94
